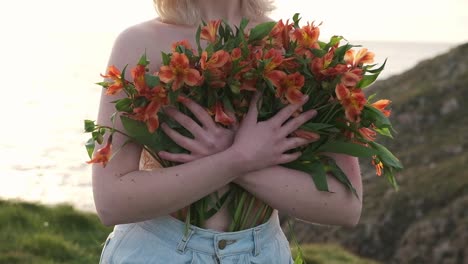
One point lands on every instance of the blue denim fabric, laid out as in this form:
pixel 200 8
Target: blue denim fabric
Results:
pixel 162 240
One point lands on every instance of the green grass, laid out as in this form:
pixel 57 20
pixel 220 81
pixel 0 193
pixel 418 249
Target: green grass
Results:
pixel 329 254
pixel 39 234
pixel 33 233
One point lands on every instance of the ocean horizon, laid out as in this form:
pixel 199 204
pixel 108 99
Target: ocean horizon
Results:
pixel 42 143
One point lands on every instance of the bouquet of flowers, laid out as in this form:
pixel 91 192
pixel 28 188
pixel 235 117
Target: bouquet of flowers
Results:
pixel 283 60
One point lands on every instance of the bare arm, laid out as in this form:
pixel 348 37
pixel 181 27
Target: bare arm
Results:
pixel 122 193
pixel 293 192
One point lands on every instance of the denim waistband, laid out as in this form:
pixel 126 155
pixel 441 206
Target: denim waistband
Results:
pixel 172 232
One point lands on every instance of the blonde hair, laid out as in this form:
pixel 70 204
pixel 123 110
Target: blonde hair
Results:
pixel 186 12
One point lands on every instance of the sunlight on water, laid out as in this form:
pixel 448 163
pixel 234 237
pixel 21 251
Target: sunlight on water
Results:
pixel 48 93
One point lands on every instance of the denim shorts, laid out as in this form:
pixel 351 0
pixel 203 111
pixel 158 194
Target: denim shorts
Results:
pixel 162 240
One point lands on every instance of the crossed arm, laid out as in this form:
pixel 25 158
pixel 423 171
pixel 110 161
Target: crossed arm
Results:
pixel 294 193
pixel 288 190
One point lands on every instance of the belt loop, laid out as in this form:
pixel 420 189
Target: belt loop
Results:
pixel 256 241
pixel 185 239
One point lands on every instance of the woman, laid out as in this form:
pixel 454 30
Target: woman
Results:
pixel 143 204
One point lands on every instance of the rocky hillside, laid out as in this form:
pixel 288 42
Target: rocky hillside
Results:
pixel 427 220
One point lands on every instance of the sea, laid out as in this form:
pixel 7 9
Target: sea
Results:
pixel 48 89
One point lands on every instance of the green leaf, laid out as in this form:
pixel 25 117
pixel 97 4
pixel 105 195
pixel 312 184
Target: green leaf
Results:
pixel 318 52
pixel 261 31
pixel 166 58
pixel 333 41
pixel 384 132
pixel 143 60
pixel 97 136
pixel 340 175
pixel 341 51
pixel 123 73
pixel 156 141
pixel 103 84
pixel 376 117
pixel 296 19
pixel 152 80
pixel 352 149
pixel 139 132
pixel 315 169
pixel 235 89
pixel 173 96
pixel 387 158
pixel 243 24
pixel 197 39
pixel 90 145
pixel 315 127
pixel 89 125
pixel 367 80
pixel 378 70
pixel 124 105
pixel 227 104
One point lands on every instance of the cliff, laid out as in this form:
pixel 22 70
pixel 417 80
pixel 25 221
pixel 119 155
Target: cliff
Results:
pixel 426 221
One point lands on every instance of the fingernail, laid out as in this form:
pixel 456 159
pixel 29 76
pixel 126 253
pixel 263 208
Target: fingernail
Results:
pixel 305 98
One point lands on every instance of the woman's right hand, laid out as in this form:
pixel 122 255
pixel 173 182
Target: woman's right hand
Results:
pixel 262 144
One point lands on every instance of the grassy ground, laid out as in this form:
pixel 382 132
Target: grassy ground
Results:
pixel 329 254
pixel 33 233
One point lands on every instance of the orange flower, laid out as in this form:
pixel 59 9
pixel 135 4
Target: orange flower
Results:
pixel 280 34
pixel 236 54
pixel 217 60
pixel 367 133
pixel 352 78
pixel 216 67
pixel 183 43
pixel 353 101
pixel 138 75
pixel 116 84
pixel 275 58
pixel 209 31
pixel 381 104
pixel 321 66
pixel 148 114
pixel 306 38
pixel 306 134
pixel 378 165
pixel 221 116
pixel 288 86
pixel 179 72
pixel 363 56
pixel 103 154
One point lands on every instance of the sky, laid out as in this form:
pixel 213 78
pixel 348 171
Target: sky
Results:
pixel 368 20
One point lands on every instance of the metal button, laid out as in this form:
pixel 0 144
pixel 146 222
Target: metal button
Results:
pixel 222 244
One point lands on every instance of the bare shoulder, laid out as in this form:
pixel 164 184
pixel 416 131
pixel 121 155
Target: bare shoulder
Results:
pixel 150 37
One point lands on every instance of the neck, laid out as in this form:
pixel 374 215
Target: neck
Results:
pixel 230 10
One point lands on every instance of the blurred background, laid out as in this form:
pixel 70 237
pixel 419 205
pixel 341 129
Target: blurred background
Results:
pixel 53 51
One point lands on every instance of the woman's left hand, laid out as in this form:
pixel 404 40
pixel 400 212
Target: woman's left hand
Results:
pixel 210 138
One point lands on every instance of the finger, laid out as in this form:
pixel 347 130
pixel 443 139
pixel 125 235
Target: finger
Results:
pixel 200 113
pixel 252 113
pixel 185 142
pixel 185 121
pixel 290 157
pixel 183 158
pixel 286 112
pixel 293 142
pixel 293 124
